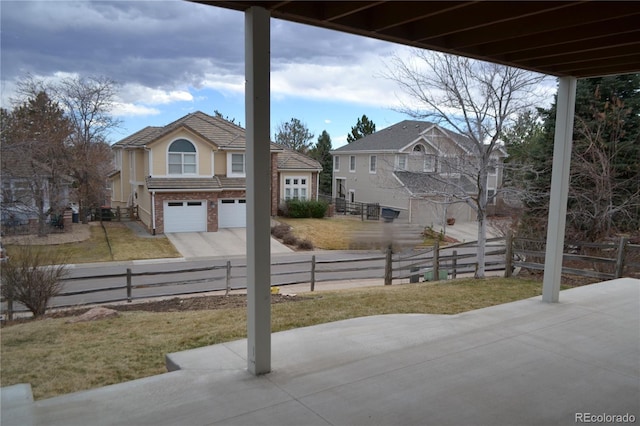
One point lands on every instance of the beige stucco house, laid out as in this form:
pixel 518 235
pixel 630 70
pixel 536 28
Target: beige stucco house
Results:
pixel 190 175
pixel 417 168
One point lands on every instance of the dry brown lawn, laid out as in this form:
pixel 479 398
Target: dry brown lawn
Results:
pixel 89 244
pixel 58 357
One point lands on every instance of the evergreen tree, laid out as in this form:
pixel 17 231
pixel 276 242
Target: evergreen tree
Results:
pixel 321 153
pixel 363 128
pixel 35 152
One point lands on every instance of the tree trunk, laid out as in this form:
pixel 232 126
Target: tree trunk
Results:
pixel 482 242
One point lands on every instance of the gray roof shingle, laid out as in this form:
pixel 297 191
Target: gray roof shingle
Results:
pixel 195 184
pixel 397 136
pixel 426 183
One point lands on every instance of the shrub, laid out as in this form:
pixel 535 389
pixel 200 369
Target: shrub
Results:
pixel 280 230
pixel 290 239
pixel 305 245
pixel 299 209
pixel 318 209
pixel 32 276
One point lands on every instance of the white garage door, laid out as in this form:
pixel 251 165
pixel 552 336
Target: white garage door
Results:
pixel 185 216
pixel 232 213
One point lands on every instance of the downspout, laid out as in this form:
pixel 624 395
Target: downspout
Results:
pixel 317 185
pixel 153 212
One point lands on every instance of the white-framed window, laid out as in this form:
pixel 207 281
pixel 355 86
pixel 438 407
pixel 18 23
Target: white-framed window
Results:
pixel 352 195
pixel 352 163
pixel 117 158
pixel 182 158
pixel 429 163
pixel 296 187
pixel 373 160
pixel 492 168
pixel 236 164
pixel 491 196
pixel 336 163
pixel 401 162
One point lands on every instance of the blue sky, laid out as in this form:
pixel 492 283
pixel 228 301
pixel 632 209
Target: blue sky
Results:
pixel 175 57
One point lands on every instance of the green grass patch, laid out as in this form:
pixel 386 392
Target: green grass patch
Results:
pixel 58 358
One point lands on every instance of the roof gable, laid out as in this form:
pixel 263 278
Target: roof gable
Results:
pixel 214 130
pixel 289 159
pixel 399 136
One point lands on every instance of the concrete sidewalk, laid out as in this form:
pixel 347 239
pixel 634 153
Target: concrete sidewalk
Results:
pixel 525 363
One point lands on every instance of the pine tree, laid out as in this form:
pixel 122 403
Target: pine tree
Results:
pixel 363 128
pixel 321 153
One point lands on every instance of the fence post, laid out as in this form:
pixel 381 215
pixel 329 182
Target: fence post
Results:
pixel 388 267
pixel 454 265
pixel 10 308
pixel 436 261
pixel 313 272
pixel 620 261
pixel 118 212
pixel 129 285
pixel 508 261
pixel 228 285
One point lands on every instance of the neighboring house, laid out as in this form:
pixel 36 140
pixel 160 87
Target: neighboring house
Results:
pixel 28 189
pixel 414 167
pixel 190 175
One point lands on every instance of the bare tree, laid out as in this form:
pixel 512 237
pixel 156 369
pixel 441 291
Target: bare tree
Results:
pixel 475 99
pixel 88 103
pixel 295 135
pixel 32 276
pixel 599 193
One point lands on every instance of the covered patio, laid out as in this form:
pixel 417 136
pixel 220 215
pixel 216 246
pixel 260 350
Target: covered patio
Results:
pixel 521 363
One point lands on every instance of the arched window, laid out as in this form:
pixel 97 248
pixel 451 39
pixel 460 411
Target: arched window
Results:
pixel 182 158
pixel 418 149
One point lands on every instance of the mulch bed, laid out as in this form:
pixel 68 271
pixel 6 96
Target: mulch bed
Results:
pixel 175 304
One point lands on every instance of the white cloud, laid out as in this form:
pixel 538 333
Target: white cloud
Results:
pixel 327 121
pixel 131 110
pixel 228 85
pixel 136 93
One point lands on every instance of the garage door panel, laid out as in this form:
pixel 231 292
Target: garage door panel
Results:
pixel 185 216
pixel 232 213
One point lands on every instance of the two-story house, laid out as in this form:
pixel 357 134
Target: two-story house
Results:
pixel 418 168
pixel 190 175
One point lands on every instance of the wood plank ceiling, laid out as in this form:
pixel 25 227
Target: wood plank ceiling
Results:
pixel 571 38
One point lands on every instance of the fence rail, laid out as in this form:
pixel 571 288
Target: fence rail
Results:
pixel 432 263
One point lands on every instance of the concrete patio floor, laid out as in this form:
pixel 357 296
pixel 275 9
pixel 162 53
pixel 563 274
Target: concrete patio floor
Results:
pixel 521 363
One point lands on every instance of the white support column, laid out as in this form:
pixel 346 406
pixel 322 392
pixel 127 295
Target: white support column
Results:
pixel 258 165
pixel 563 139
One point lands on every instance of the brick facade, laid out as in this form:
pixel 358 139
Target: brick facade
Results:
pixel 211 199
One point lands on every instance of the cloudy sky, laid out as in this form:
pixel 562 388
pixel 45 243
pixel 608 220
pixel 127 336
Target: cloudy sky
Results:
pixel 174 57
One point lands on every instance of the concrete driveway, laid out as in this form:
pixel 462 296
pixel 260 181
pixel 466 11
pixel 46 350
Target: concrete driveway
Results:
pixel 224 243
